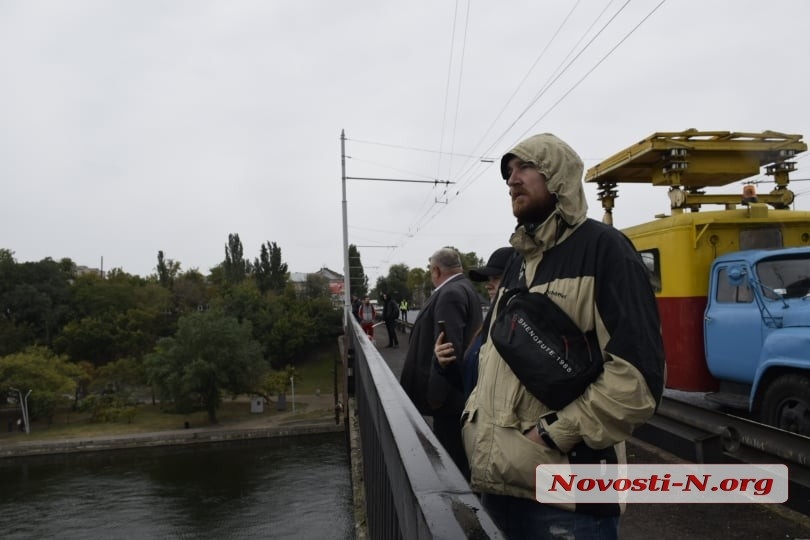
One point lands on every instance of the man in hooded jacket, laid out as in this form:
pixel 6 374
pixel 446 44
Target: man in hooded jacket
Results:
pixel 594 274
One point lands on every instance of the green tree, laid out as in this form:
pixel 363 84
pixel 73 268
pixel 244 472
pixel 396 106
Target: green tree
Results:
pixel 118 317
pixel 97 297
pixel 49 377
pixel 211 354
pixel 34 301
pixel 470 260
pixel 243 301
pixel 270 273
pixel 395 283
pixel 191 292
pixel 419 285
pixel 94 339
pixel 6 257
pixel 316 286
pixel 122 377
pixel 167 270
pixel 358 281
pixel 326 317
pixel 261 269
pixel 292 329
pixel 279 276
pixel 278 382
pixel 235 266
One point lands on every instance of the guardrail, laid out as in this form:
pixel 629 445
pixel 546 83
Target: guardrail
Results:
pixel 705 436
pixel 413 488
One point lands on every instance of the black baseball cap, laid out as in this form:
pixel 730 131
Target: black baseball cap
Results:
pixel 495 265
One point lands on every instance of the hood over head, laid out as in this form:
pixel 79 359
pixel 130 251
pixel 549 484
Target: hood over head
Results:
pixel 562 168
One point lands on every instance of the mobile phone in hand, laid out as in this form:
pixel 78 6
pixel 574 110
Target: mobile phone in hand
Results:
pixel 442 328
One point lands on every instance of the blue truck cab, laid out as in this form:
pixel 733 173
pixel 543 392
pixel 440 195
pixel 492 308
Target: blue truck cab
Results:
pixel 757 334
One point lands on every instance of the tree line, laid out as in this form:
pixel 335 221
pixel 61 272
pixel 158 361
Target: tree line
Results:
pixel 402 282
pixel 189 338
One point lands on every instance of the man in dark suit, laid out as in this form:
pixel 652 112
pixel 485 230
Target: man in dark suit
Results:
pixel 437 391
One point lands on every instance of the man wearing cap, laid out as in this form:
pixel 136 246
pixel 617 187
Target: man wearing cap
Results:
pixel 490 274
pixel 593 273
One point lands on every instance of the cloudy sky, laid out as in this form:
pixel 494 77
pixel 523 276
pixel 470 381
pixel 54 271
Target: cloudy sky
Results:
pixel 132 126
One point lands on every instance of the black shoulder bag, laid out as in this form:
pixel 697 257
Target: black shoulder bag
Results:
pixel 547 351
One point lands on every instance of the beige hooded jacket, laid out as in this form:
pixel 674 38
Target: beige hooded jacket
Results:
pixel 593 273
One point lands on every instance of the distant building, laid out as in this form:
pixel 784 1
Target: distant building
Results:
pixel 82 270
pixel 333 279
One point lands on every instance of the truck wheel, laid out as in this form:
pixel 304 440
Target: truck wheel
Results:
pixel 786 404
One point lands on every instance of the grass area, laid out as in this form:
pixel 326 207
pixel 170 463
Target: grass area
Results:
pixel 315 373
pixel 148 418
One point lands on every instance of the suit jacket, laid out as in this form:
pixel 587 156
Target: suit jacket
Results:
pixel 434 390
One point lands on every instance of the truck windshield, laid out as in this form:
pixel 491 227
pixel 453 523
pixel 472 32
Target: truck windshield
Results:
pixel 788 277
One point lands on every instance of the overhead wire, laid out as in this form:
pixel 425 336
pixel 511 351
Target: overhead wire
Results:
pixel 518 87
pixel 470 182
pixel 413 148
pixel 384 166
pixel 447 89
pixel 526 76
pixel 559 70
pixel 427 205
pixel 434 209
pixel 458 88
pixel 587 73
pixel 428 216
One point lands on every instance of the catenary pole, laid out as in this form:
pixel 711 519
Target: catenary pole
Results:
pixel 346 282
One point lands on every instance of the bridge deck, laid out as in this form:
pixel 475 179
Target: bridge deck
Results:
pixel 663 521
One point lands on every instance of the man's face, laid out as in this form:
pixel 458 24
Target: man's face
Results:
pixel 492 285
pixel 366 300
pixel 435 274
pixel 531 200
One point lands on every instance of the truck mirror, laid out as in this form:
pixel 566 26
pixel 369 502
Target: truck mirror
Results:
pixel 736 275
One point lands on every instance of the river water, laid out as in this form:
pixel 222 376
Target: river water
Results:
pixel 297 487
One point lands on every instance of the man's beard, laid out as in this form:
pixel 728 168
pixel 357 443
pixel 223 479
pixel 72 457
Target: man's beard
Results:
pixel 534 212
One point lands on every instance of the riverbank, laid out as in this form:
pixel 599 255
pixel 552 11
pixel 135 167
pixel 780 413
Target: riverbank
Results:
pixel 315 414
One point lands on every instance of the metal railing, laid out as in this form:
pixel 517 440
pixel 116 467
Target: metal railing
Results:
pixel 413 488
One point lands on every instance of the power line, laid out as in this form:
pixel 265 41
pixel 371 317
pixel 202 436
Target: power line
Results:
pixel 458 88
pixel 552 79
pixel 469 183
pixel 434 209
pixel 546 86
pixel 413 148
pixel 447 88
pixel 524 79
pixel 611 51
pixel 388 167
pixel 434 182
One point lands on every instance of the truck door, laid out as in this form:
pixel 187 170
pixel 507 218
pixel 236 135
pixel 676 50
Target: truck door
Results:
pixel 732 328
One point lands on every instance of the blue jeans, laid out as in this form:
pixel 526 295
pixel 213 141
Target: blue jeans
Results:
pixel 520 518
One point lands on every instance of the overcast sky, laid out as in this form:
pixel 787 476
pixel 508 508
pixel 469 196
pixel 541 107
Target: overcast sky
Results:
pixel 129 127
